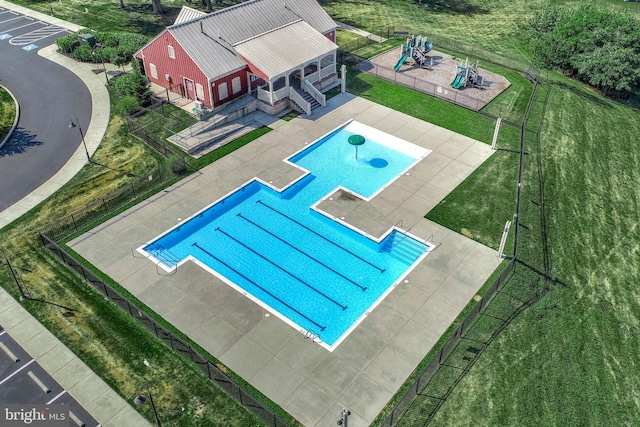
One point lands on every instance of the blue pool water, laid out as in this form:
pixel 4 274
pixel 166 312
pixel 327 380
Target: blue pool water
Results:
pixel 312 271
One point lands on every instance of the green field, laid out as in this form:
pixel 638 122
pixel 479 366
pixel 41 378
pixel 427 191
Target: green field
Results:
pixel 569 359
pixel 7 113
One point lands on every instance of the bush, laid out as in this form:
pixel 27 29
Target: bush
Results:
pixel 117 48
pixel 598 46
pixel 133 84
pixel 66 44
pixel 129 104
pixel 84 53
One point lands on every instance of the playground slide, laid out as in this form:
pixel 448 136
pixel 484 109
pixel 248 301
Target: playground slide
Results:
pixel 399 64
pixel 457 82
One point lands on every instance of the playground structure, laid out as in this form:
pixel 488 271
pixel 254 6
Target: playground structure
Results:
pixel 415 49
pixel 466 75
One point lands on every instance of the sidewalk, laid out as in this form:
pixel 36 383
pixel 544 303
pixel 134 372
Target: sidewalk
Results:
pixel 65 367
pixel 360 32
pixel 99 117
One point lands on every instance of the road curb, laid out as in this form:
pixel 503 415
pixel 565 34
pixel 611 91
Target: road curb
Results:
pixel 15 121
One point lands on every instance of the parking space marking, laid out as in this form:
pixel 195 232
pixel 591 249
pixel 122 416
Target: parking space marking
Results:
pixel 5 36
pixel 18 370
pixel 10 12
pixel 22 26
pixel 29 47
pixel 34 36
pixel 12 19
pixel 56 398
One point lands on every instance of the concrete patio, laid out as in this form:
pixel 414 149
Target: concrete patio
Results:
pixel 308 381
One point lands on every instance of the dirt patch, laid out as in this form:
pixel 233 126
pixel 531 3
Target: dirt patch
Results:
pixel 436 76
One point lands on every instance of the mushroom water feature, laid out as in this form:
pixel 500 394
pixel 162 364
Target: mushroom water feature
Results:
pixel 356 140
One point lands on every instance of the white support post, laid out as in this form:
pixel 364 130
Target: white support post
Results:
pixel 505 233
pixel 495 134
pixel 343 75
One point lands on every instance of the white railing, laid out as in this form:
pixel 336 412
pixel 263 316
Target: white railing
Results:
pixel 264 95
pixel 313 77
pixel 281 94
pixel 295 96
pixel 315 93
pixel 327 71
pixel 272 97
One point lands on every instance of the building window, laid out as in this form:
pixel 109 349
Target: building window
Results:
pixel 172 52
pixel 223 92
pixel 154 71
pixel 199 91
pixel 235 84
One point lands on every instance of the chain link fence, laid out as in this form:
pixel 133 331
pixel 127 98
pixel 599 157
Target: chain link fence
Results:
pixel 104 208
pixel 349 55
pixel 172 341
pixel 511 293
pixel 154 123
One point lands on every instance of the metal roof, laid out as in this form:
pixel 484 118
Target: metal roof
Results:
pixel 284 49
pixel 187 14
pixel 209 39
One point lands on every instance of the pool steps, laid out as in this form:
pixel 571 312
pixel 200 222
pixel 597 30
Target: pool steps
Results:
pixel 404 248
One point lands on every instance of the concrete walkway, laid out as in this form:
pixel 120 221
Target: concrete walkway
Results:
pixel 104 404
pixel 360 32
pixel 94 133
pixel 65 367
pixel 310 382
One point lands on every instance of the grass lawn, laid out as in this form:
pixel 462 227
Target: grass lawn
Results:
pixel 571 358
pixel 106 338
pixel 7 113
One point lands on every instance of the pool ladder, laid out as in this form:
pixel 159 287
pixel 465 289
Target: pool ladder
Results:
pixel 161 254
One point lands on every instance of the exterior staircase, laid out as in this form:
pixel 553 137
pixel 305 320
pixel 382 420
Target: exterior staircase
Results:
pixel 307 97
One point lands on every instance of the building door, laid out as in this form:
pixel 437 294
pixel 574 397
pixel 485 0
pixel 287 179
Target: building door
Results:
pixel 191 90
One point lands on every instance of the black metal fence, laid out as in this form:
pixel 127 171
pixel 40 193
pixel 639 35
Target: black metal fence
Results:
pixel 99 210
pixel 175 343
pixel 349 55
pixel 502 302
pixel 160 122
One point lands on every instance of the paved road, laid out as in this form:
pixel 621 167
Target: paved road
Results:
pixel 49 95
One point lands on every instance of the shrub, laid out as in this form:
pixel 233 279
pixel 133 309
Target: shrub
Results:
pixel 84 53
pixel 66 44
pixel 133 84
pixel 129 104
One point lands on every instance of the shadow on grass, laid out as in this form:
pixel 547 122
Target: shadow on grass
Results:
pixel 585 94
pixel 450 7
pixel 21 141
pixel 150 27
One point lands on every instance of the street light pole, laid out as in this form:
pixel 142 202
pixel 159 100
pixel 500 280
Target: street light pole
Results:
pixel 72 125
pixel 141 399
pixel 23 296
pixel 344 418
pixel 104 67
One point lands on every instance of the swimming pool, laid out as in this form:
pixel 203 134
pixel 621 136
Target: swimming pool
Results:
pixel 280 250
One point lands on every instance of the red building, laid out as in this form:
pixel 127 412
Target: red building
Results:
pixel 275 49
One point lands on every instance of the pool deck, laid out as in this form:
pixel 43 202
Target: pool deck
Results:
pixel 308 381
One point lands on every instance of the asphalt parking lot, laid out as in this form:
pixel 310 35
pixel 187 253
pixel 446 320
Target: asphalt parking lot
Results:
pixel 23 381
pixel 48 95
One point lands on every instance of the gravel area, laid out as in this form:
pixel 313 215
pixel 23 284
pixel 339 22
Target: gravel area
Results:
pixel 436 78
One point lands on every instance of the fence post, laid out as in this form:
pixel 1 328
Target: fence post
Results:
pixel 74 222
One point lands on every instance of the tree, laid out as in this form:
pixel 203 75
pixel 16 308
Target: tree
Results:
pixel 595 45
pixel 157 7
